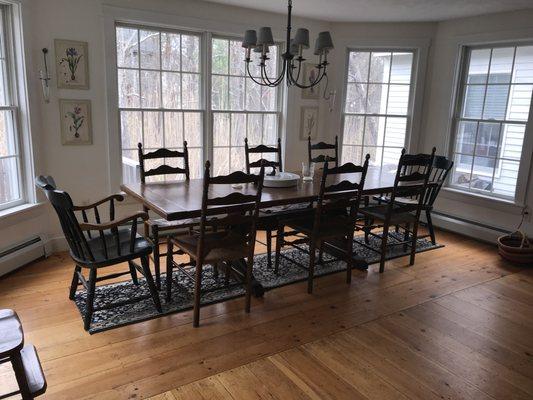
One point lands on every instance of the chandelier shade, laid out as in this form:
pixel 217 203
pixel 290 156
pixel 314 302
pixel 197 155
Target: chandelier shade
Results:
pixel 293 58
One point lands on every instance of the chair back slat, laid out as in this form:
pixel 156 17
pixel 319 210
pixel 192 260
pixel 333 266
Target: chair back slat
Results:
pixel 441 168
pixel 262 149
pixel 163 169
pixel 342 186
pixel 415 176
pixel 236 177
pixel 230 199
pixel 320 146
pixel 348 168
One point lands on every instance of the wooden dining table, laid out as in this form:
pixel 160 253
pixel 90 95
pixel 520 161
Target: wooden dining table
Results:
pixel 182 200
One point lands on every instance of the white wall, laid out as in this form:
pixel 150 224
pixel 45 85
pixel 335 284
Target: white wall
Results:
pixel 85 171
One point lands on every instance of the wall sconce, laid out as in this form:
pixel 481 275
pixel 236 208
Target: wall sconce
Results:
pixel 331 99
pixel 45 77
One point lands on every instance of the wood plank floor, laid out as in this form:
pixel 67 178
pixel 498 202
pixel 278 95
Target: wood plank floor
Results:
pixel 456 325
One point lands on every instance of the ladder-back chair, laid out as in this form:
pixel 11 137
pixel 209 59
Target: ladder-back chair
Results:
pixel 312 149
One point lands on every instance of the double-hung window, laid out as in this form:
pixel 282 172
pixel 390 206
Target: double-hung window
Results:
pixel 240 107
pixel 490 119
pixel 159 94
pixel 377 110
pixel 11 177
pixel 161 82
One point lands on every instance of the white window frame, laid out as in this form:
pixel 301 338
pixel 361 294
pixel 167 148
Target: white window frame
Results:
pixel 210 111
pixel 15 84
pixel 411 109
pixel 457 102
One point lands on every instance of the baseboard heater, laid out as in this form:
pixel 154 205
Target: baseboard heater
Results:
pixel 488 232
pixel 21 254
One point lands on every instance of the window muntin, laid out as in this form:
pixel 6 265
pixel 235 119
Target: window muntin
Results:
pixel 376 114
pixel 491 118
pixel 11 180
pixel 240 107
pixel 159 94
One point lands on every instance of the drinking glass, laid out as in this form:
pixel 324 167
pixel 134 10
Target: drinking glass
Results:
pixel 308 171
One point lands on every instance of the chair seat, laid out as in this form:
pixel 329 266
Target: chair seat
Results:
pixel 219 246
pixel 269 217
pixel 400 200
pixel 11 334
pixel 117 252
pixel 380 212
pixel 330 225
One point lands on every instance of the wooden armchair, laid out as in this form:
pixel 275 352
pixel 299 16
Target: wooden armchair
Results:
pixel 95 245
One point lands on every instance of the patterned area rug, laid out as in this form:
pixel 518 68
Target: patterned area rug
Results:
pixel 216 291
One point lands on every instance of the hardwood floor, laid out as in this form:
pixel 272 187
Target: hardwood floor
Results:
pixel 456 325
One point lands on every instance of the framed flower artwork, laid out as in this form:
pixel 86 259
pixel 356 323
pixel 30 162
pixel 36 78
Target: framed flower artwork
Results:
pixel 76 126
pixel 309 76
pixel 309 123
pixel 72 64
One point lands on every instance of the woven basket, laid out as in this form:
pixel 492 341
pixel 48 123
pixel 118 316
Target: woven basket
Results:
pixel 516 248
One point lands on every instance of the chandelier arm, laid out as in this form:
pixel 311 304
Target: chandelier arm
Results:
pixel 276 81
pixel 320 76
pixel 252 78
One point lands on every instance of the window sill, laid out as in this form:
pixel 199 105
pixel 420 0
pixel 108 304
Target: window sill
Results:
pixel 480 200
pixel 14 214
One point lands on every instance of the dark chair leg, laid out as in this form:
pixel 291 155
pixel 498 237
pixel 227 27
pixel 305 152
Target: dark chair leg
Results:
pixel 75 282
pixel 248 282
pixel 413 244
pixel 406 235
pixel 279 244
pixel 150 281
pixel 312 251
pixel 197 293
pixel 269 248
pixel 367 223
pixel 227 273
pixel 321 253
pixel 20 375
pixel 169 269
pixel 384 238
pixel 157 263
pixel 133 273
pixel 349 258
pixel 430 227
pixel 90 299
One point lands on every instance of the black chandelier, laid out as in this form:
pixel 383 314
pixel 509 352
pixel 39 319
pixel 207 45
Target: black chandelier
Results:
pixel 292 58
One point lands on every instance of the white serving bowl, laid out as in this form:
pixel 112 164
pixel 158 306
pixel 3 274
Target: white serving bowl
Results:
pixel 281 180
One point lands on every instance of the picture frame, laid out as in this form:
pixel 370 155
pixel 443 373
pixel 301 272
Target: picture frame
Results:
pixel 309 75
pixel 309 123
pixel 76 122
pixel 72 64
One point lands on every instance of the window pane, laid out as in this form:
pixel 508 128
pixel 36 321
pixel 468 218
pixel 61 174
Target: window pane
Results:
pixel 191 91
pixel 131 128
pixel 193 129
pixel 380 67
pixel 272 63
pixel 220 59
pixel 255 129
pixel 171 90
pixel 401 67
pixel 462 171
pixel 268 99
pixel 506 177
pixel 376 155
pixel 523 65
pixel 501 65
pixel 353 129
pixel 238 129
pixel 374 131
pixel 270 129
pixel 391 156
pixel 488 138
pixel 190 56
pixel 519 102
pixel 174 129
pixel 221 161
pixel 395 132
pixel 351 154
pixel 221 129
pixel 219 93
pixel 253 97
pixel 236 60
pixel 9 180
pixel 150 56
pixel 238 162
pixel 356 98
pixel 195 163
pixel 153 129
pixel 513 139
pixel 236 93
pixel 466 137
pixel 495 101
pixel 8 143
pixel 358 66
pixel 150 89
pixel 482 173
pixel 398 99
pixel 170 50
pixel 128 88
pixel 127 47
pixel 478 67
pixel 377 99
pixel 473 102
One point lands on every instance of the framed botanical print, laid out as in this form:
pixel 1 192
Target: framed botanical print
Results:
pixel 309 123
pixel 309 75
pixel 72 64
pixel 76 126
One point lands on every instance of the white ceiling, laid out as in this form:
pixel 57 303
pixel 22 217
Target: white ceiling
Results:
pixel 384 10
